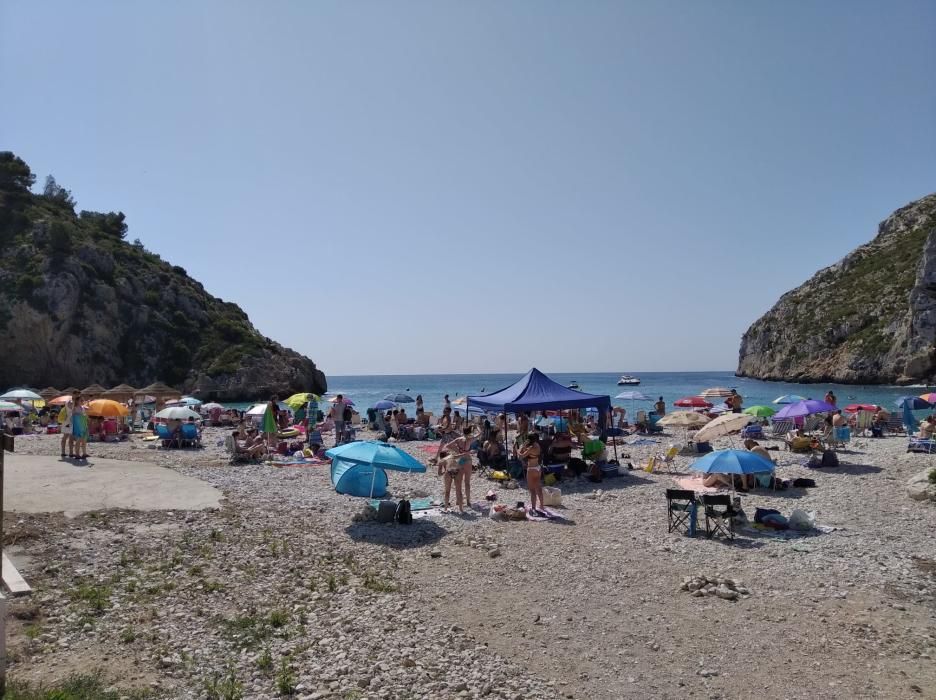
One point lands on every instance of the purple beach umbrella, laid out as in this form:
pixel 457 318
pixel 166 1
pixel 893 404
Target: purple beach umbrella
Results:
pixel 804 408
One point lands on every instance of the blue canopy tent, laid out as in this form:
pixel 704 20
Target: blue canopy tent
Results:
pixel 534 391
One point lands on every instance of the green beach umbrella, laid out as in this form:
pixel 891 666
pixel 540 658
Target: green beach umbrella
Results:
pixel 760 411
pixel 269 422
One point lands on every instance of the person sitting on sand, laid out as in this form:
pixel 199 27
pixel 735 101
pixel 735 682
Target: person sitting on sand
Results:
pixel 492 451
pixel 755 447
pixel 247 447
pixel 927 427
pixel 445 424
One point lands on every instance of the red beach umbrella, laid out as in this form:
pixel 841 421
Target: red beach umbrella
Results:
pixel 692 402
pixel 855 407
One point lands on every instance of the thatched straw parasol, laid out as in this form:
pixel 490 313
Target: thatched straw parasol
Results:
pixel 92 391
pixel 121 392
pixel 159 390
pixel 50 392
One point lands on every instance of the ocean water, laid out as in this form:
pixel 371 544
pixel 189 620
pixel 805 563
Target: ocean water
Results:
pixel 364 391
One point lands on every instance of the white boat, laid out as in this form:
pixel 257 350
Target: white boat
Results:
pixel 628 380
pixel 573 385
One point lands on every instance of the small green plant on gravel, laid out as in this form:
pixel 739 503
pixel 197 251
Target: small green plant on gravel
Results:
pixel 196 570
pixel 95 596
pixel 129 556
pixel 285 680
pixel 265 660
pixel 224 687
pixel 213 587
pixel 274 549
pixel 215 535
pixel 84 686
pixel 131 586
pixel 32 631
pixel 278 618
pixel 127 635
pixel 372 582
pixel 332 583
pixel 932 476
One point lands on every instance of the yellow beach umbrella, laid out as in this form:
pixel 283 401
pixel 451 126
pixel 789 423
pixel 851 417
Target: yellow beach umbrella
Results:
pixel 106 408
pixel 683 419
pixel 297 401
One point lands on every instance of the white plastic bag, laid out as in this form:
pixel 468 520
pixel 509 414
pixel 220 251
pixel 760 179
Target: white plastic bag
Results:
pixel 552 496
pixel 801 520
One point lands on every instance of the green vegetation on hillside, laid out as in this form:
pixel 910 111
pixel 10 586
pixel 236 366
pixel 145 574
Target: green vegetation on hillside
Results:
pixel 166 325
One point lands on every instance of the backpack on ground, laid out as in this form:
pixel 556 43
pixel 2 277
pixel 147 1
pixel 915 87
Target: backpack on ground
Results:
pixel 404 512
pixel 829 459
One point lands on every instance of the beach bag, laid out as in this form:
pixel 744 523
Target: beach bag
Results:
pixel 829 459
pixel 552 496
pixel 386 511
pixel 804 483
pixel 404 513
pixel 419 433
pixel 346 414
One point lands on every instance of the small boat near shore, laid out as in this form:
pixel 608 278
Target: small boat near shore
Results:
pixel 628 380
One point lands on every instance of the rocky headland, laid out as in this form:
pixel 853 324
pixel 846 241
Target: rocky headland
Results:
pixel 79 304
pixel 868 319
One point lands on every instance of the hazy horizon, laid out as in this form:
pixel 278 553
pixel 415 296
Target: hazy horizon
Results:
pixel 422 188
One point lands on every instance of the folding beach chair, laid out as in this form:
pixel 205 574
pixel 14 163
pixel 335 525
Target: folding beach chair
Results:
pixel 863 422
pixel 812 422
pixel 895 426
pixel 680 505
pixel 779 428
pixel 190 435
pixel 162 432
pixel 718 514
pixel 924 445
pixel 840 436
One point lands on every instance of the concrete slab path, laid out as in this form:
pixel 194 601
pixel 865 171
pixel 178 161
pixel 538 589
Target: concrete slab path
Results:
pixel 49 484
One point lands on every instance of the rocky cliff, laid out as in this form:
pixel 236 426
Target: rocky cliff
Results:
pixel 79 304
pixel 869 319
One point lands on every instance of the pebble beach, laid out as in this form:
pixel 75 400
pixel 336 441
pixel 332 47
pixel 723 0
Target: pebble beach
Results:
pixel 285 591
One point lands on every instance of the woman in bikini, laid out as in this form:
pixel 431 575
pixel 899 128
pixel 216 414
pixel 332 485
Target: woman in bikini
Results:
pixel 530 454
pixel 460 451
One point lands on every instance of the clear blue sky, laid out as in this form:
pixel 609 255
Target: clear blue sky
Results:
pixel 481 186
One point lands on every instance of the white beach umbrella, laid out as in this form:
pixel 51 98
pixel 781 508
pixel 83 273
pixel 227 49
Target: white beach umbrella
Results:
pixel 10 406
pixel 258 409
pixel 684 419
pixel 716 392
pixel 177 413
pixel 20 395
pixel 723 425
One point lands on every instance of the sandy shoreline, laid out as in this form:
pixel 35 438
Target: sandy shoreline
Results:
pixel 589 609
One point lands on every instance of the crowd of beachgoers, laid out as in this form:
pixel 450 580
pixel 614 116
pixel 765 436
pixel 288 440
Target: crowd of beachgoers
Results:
pixel 292 587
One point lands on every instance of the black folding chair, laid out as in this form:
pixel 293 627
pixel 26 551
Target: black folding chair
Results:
pixel 719 514
pixel 679 507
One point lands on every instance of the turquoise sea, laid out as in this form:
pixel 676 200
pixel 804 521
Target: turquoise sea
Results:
pixel 366 390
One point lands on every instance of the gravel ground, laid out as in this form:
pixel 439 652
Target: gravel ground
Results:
pixel 281 589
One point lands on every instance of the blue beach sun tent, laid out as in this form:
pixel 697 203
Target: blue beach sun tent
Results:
pixel 733 462
pixel 384 405
pixel 373 457
pixel 356 479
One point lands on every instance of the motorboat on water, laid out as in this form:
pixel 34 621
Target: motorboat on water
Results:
pixel 628 380
pixel 573 385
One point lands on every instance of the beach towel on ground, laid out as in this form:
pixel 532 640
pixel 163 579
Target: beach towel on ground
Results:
pixel 691 483
pixel 544 514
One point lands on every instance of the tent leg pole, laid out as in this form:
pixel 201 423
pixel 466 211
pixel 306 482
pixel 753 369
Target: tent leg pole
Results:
pixel 373 479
